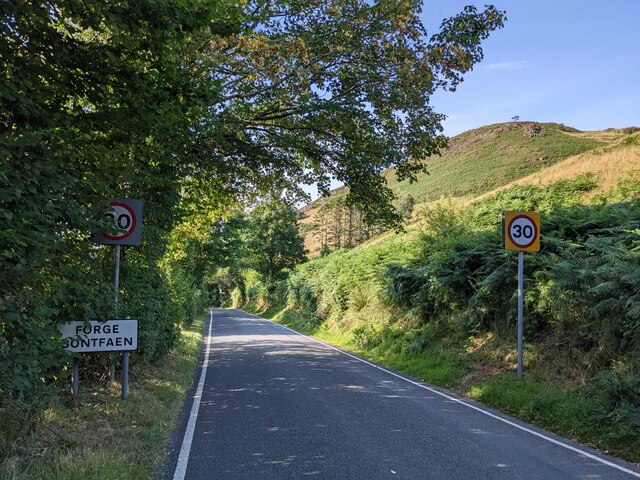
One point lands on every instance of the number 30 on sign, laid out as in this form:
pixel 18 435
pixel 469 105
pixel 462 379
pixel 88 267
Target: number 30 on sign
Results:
pixel 521 231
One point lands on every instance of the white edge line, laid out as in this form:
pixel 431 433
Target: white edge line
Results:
pixel 185 450
pixel 453 399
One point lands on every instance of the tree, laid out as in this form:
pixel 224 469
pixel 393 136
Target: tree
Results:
pixel 273 240
pixel 339 225
pixel 405 205
pixel 225 257
pixel 97 100
pixel 340 88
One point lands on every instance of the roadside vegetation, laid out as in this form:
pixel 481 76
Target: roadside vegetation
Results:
pixel 439 303
pixel 101 436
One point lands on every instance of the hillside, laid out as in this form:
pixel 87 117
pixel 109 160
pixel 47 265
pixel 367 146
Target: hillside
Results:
pixel 492 157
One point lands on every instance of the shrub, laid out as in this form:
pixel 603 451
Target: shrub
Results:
pixel 582 285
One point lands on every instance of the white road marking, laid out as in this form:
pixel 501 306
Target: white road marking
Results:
pixel 453 399
pixel 185 450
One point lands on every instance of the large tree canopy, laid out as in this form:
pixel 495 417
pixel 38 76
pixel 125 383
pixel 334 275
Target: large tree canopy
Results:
pixel 97 100
pixel 321 89
pixel 272 239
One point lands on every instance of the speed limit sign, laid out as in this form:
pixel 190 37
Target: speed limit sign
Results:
pixel 126 216
pixel 521 231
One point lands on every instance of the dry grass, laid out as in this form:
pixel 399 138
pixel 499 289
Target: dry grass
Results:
pixel 612 135
pixel 101 436
pixel 609 165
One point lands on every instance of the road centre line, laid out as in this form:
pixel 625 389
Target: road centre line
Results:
pixel 185 450
pixel 453 399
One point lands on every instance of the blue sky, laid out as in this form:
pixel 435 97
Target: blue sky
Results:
pixel 575 62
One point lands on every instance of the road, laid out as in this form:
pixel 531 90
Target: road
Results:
pixel 273 404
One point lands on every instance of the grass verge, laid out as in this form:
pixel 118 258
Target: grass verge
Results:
pixel 102 437
pixel 581 414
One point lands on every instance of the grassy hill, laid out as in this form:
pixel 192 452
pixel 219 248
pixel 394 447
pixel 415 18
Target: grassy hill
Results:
pixel 480 160
pixel 485 159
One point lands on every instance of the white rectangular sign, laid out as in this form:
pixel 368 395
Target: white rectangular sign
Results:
pixel 93 336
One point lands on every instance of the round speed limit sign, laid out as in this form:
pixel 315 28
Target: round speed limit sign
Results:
pixel 124 218
pixel 521 231
pixel 127 219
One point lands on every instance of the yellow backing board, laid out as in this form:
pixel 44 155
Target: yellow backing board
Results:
pixel 521 231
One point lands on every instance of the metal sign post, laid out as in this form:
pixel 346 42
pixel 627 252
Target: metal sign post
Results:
pixel 116 292
pixel 127 217
pixel 125 375
pixel 520 311
pixel 75 383
pixel 116 278
pixel 521 233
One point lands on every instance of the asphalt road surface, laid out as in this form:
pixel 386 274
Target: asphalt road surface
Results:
pixel 272 404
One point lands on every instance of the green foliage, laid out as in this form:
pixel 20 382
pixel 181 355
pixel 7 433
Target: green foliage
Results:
pixel 344 286
pixel 238 298
pixel 145 296
pixel 592 283
pixel 582 285
pixel 272 240
pixel 226 287
pixel 338 89
pixel 404 206
pixel 619 413
pixel 97 101
pixel 605 413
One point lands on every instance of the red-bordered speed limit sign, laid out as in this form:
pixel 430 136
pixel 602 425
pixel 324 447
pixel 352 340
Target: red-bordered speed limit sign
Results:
pixel 127 219
pixel 521 231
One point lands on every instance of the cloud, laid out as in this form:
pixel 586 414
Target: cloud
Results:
pixel 505 66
